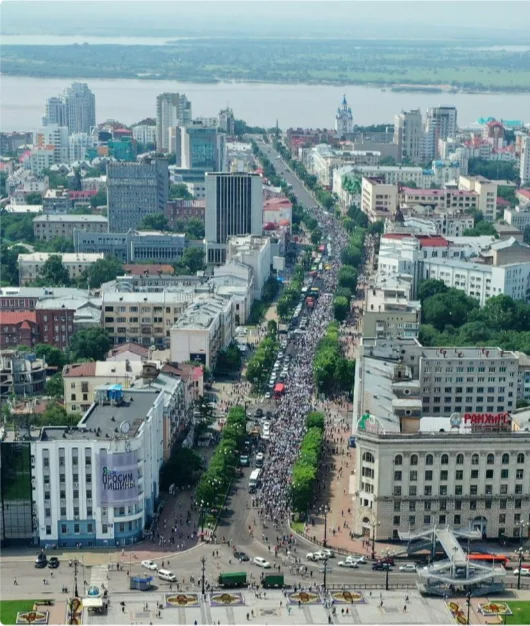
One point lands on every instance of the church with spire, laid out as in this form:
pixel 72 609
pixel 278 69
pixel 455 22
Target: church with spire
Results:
pixel 344 118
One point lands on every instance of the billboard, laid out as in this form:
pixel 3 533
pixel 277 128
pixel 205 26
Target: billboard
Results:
pixel 117 477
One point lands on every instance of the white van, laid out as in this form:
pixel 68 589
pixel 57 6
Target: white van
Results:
pixel 168 575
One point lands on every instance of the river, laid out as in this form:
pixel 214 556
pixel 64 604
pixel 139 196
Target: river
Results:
pixel 293 105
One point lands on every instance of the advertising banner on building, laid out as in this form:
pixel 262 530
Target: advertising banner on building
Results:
pixel 117 477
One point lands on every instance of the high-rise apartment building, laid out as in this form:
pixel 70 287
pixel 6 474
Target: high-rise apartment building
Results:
pixel 135 190
pixel 172 109
pixel 78 144
pixel 524 171
pixel 408 135
pixel 75 108
pixel 441 123
pixel 56 136
pixel 202 147
pixel 227 121
pixel 233 207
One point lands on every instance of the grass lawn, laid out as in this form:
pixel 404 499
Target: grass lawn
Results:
pixel 521 613
pixel 298 527
pixel 10 608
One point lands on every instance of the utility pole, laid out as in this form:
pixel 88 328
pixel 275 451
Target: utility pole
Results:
pixel 325 526
pixel 325 572
pixel 203 563
pixel 76 592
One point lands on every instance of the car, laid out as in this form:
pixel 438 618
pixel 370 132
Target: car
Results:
pixel 329 553
pixel 358 560
pixel 525 571
pixel 347 563
pixel 316 556
pixel 259 459
pixel 53 563
pixel 244 461
pixel 381 567
pixel 149 565
pixel 259 412
pixel 41 560
pixel 241 556
pixel 408 567
pixel 268 395
pixel 389 560
pixel 261 562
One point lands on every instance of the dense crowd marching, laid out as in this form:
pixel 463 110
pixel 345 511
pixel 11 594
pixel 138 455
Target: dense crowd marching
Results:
pixel 289 427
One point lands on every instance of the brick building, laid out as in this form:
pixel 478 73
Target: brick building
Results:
pixel 18 329
pixel 184 210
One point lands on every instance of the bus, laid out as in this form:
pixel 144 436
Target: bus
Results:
pixel 254 480
pixel 494 559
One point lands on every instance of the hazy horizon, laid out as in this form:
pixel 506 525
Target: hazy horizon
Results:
pixel 265 18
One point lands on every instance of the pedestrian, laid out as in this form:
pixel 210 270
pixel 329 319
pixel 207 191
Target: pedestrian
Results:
pixel 405 609
pixel 15 581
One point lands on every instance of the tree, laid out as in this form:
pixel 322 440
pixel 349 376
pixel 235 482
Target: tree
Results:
pixel 195 228
pixel 481 228
pixel 496 170
pixel 55 386
pixel 431 287
pixel 33 198
pixel 228 359
pixel 348 277
pixel 448 309
pixel 341 308
pixel 52 355
pixel 315 419
pixel 99 199
pixel 57 244
pixel 351 256
pixel 181 469
pixel 376 228
pixel 270 290
pixel 155 221
pixel 179 192
pixel 56 415
pixel 17 228
pixel 102 271
pixel 53 273
pixel 192 261
pixel 93 343
pixel 9 276
pixel 272 329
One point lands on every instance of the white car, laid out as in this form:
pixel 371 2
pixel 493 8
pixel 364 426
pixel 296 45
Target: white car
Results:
pixel 316 556
pixel 261 562
pixel 525 571
pixel 350 564
pixel 268 395
pixel 408 567
pixel 327 552
pixel 358 560
pixel 149 565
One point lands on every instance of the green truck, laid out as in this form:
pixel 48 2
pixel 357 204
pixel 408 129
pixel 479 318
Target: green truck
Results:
pixel 232 579
pixel 272 580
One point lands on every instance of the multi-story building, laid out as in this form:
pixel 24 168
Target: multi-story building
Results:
pixel 414 221
pixel 524 167
pixel 379 200
pixel 82 379
pixel 41 159
pixel 184 210
pixel 234 204
pixel 227 121
pixel 80 108
pixel 18 329
pixel 322 159
pixel 518 217
pixel 11 142
pixel 203 329
pixel 78 144
pixel 87 492
pixel 172 109
pixel 255 252
pixel 135 190
pixel 144 134
pixel 133 246
pixel 26 298
pixel 455 458
pixel 202 147
pixel 55 112
pixel 487 192
pixel 278 211
pixel 56 136
pixel 388 313
pixel 21 374
pixel 344 119
pixel 56 201
pixel 408 135
pixel 47 227
pixel 441 123
pixel 29 265
pixel 440 199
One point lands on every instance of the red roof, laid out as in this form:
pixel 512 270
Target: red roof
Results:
pixel 7 317
pixel 523 192
pixel 277 204
pixel 81 194
pixel 502 202
pixel 80 369
pixel 397 236
pixel 432 241
pixel 135 348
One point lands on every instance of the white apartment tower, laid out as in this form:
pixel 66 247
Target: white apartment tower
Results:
pixel 441 124
pixel 408 135
pixel 172 109
pixel 524 172
pixel 344 118
pixel 75 108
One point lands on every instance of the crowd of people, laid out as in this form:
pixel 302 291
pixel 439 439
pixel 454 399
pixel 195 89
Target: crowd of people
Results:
pixel 289 427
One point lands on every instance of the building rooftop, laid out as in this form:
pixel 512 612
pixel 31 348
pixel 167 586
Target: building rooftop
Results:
pixel 7 317
pixel 66 302
pixel 385 299
pixel 139 269
pixel 432 241
pixel 22 208
pixel 81 219
pixel 104 369
pixel 41 292
pixel 487 353
pixel 201 314
pixel 67 257
pixel 463 265
pixel 135 348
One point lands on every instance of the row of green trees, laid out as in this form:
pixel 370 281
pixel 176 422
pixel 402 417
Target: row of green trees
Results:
pixel 451 318
pixel 305 469
pixel 229 359
pixel 351 258
pixel 332 371
pixel 260 363
pixel 215 481
pixel 192 228
pixel 291 294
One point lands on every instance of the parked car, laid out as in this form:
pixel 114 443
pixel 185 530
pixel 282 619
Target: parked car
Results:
pixel 346 563
pixel 243 460
pixel 525 571
pixel 149 565
pixel 53 563
pixel 408 567
pixel 241 556
pixel 41 560
pixel 261 562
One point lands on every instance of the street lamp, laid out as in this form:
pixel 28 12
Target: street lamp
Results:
pixel 468 602
pixel 521 525
pixel 325 510
pixel 325 571
pixel 521 554
pixel 76 592
pixel 374 524
pixel 203 565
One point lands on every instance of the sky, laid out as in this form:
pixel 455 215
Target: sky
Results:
pixel 374 18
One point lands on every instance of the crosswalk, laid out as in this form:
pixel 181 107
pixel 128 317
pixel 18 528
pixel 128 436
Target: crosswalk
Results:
pixel 98 576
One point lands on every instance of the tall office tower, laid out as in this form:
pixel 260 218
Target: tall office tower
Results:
pixel 55 112
pixel 227 121
pixel 202 147
pixel 344 118
pixel 172 109
pixel 408 135
pixel 524 170
pixel 135 190
pixel 56 136
pixel 234 206
pixel 441 124
pixel 80 108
